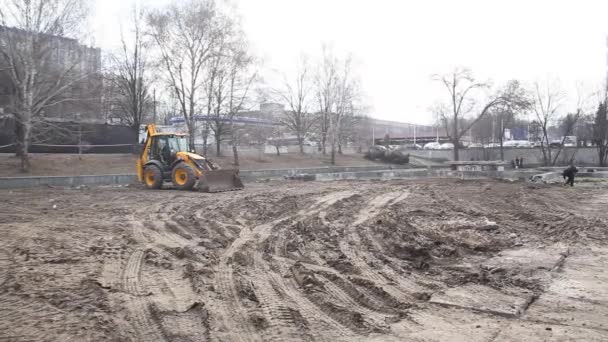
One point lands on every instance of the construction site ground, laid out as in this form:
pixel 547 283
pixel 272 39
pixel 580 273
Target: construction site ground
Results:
pixel 397 260
pixel 47 164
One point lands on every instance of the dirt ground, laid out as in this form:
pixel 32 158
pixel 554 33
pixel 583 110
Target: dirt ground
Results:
pixel 401 260
pixel 54 164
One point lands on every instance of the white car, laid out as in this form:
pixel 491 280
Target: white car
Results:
pixel 432 146
pixel 524 144
pixel 492 145
pixel 475 145
pixel 447 146
pixel 510 143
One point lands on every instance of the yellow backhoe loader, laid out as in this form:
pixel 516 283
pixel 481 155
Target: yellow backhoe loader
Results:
pixel 166 158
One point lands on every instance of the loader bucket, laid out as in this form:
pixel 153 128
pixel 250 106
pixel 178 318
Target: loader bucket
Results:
pixel 220 180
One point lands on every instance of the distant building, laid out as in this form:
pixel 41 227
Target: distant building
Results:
pixel 401 133
pixel 66 53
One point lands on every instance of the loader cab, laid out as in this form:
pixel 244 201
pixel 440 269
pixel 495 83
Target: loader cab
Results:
pixel 165 146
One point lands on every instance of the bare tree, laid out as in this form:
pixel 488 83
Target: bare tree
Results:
pixel 600 132
pixel 234 78
pixel 461 86
pixel 568 124
pixel 276 138
pixel 130 75
pixel 298 119
pixel 185 33
pixel 515 102
pixel 347 92
pixel 548 98
pixel 241 78
pixel 336 91
pixel 28 29
pixel 326 80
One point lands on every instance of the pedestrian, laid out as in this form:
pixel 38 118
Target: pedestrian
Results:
pixel 521 162
pixel 517 162
pixel 513 163
pixel 569 174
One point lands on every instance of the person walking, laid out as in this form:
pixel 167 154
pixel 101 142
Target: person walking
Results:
pixel 569 174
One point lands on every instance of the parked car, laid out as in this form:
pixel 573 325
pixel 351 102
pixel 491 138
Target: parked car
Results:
pixel 446 146
pixel 492 145
pixel 432 146
pixel 510 143
pixel 475 145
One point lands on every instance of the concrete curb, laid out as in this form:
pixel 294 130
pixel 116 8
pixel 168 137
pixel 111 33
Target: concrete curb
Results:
pixel 273 173
pixel 31 182
pixel 319 174
pixel 247 175
pixel 373 174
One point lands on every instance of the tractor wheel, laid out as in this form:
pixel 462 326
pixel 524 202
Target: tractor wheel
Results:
pixel 153 178
pixel 183 176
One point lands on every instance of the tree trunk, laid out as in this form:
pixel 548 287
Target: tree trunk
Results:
pixel 135 130
pixel 456 156
pixel 301 143
pixel 235 152
pixel 333 154
pixel 235 143
pixel 602 152
pixel 22 142
pixel 18 138
pixel 455 137
pixel 191 133
pixel 218 150
pixel 205 139
pixel 278 150
pixel 324 143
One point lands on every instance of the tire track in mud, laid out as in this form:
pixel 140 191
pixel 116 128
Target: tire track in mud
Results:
pixel 145 326
pixel 5 263
pixel 372 318
pixel 273 284
pixel 14 313
pixel 147 321
pixel 234 316
pixel 322 326
pixel 352 247
pixel 285 321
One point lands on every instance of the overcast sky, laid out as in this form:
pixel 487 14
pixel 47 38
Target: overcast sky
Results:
pixel 399 44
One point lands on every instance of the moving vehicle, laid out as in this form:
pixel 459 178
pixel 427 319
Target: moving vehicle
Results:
pixel 397 155
pixel 165 158
pixel 375 152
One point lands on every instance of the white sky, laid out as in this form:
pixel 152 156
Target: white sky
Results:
pixel 398 44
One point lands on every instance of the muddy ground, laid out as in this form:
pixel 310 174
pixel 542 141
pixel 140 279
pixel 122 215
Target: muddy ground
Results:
pixel 416 260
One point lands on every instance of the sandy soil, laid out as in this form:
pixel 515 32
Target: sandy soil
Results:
pixel 97 164
pixel 418 260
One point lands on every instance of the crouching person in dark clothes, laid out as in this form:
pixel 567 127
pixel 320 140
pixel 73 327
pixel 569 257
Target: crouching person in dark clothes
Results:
pixel 569 174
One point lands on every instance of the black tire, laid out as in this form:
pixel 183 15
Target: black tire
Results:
pixel 153 177
pixel 183 176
